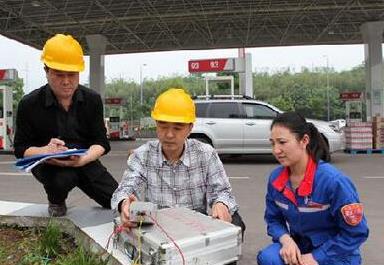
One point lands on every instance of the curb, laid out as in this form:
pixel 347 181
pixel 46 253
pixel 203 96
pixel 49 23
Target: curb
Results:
pixel 80 223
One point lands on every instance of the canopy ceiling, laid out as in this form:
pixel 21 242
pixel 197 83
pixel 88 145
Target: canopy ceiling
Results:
pixel 150 25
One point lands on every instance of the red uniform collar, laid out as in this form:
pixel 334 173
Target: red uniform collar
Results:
pixel 306 185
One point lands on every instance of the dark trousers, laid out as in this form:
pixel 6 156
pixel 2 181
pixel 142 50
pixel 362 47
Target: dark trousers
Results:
pixel 93 179
pixel 237 220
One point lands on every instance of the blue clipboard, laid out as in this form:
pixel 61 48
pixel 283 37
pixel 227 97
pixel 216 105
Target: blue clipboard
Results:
pixel 28 163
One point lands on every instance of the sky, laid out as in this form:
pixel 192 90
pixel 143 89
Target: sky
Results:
pixel 26 60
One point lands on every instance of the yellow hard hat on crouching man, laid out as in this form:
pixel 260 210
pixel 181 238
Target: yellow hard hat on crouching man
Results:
pixel 174 113
pixel 63 53
pixel 174 105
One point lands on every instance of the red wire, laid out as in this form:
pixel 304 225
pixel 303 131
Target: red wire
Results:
pixel 116 231
pixel 120 228
pixel 170 238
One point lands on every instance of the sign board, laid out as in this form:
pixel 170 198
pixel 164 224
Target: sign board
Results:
pixel 350 96
pixel 114 119
pixel 113 101
pixel 8 74
pixel 211 65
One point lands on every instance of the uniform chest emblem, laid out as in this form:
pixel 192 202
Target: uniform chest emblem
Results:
pixel 312 204
pixel 352 213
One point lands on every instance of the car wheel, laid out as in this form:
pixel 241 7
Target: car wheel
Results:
pixel 203 139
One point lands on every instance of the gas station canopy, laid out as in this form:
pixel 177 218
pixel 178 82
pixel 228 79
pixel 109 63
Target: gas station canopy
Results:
pixel 143 26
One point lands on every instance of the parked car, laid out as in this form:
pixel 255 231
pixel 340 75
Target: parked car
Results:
pixel 339 123
pixel 241 125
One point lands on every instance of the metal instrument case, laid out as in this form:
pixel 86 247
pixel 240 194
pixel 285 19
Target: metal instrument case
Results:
pixel 202 239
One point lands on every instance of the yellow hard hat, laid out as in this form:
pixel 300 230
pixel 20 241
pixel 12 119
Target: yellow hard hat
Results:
pixel 64 53
pixel 174 105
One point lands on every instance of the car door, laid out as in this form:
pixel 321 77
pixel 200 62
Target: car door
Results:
pixel 225 123
pixel 257 123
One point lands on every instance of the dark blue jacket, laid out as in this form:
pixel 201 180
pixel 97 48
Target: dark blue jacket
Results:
pixel 315 210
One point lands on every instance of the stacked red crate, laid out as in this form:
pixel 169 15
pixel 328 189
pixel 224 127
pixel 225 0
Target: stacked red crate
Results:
pixel 378 132
pixel 358 135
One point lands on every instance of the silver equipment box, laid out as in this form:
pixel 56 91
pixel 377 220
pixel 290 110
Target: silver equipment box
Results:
pixel 202 240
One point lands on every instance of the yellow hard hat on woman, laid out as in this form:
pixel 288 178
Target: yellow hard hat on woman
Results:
pixel 64 53
pixel 174 105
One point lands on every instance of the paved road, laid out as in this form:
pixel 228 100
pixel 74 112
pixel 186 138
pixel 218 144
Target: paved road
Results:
pixel 248 178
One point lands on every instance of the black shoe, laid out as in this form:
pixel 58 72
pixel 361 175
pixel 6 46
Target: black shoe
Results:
pixel 57 210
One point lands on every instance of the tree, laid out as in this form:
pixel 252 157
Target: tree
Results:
pixel 18 93
pixel 305 91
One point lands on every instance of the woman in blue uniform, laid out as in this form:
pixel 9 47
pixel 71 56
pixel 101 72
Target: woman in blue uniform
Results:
pixel 313 211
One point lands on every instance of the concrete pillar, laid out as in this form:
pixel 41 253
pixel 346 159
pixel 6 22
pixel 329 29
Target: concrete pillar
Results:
pixel 374 82
pixel 97 44
pixel 248 75
pixel 246 78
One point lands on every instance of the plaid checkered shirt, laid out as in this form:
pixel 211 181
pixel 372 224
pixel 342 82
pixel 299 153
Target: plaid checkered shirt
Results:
pixel 196 181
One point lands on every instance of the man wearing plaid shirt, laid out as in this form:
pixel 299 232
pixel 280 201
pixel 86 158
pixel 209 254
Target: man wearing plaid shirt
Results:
pixel 176 171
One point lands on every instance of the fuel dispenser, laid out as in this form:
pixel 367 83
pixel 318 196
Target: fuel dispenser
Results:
pixel 114 110
pixel 353 106
pixel 7 76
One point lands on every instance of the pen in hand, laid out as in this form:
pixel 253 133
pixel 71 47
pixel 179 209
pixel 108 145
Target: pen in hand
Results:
pixel 56 145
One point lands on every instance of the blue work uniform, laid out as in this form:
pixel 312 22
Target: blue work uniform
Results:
pixel 323 215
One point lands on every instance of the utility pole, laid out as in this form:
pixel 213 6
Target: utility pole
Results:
pixel 141 84
pixel 141 95
pixel 131 103
pixel 327 74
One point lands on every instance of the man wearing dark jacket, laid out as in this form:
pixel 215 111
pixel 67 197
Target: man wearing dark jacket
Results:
pixel 62 115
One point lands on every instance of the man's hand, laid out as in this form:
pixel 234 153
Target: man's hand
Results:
pixel 124 215
pixel 93 153
pixel 72 161
pixel 308 259
pixel 220 211
pixel 290 252
pixel 55 145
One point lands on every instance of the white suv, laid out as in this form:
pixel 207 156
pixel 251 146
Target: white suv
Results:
pixel 242 125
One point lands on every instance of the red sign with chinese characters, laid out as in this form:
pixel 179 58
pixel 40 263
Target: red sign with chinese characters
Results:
pixel 2 74
pixel 8 74
pixel 211 65
pixel 350 95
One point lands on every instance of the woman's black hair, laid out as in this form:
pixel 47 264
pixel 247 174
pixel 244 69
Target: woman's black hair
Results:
pixel 297 124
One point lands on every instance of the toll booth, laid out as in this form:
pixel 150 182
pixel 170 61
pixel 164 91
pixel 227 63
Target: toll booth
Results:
pixel 7 76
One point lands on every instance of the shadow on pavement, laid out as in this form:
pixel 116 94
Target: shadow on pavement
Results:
pixel 248 159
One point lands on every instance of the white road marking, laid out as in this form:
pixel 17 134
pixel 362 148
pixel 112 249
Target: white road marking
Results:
pixel 30 174
pixel 7 162
pixel 15 174
pixel 374 177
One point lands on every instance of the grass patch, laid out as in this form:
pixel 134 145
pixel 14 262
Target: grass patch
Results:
pixel 42 246
pixel 80 257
